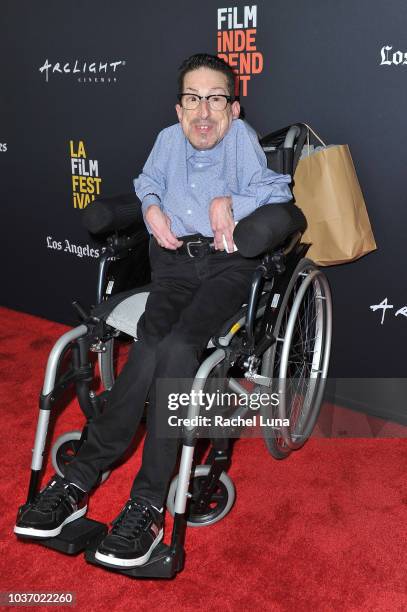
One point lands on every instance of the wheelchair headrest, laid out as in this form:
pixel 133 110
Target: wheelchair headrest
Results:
pixel 267 228
pixel 108 215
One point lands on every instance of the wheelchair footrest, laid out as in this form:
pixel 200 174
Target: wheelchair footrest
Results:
pixel 74 537
pixel 162 564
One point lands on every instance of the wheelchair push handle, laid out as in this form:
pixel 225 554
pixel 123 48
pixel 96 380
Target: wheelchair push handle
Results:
pixel 283 148
pixel 80 311
pixel 291 137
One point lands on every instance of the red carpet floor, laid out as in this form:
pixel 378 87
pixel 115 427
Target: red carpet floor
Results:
pixel 324 530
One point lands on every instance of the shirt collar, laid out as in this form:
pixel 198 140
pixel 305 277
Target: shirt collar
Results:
pixel 208 155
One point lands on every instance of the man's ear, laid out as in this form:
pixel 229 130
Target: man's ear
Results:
pixel 235 109
pixel 179 112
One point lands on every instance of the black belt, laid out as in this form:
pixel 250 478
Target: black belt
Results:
pixel 196 246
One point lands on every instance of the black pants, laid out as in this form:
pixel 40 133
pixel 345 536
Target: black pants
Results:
pixel 190 299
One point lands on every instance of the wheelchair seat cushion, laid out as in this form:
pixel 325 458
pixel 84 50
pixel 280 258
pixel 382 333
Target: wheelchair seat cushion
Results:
pixel 267 228
pixel 123 310
pixel 126 315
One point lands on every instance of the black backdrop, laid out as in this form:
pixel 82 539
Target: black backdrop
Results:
pixel 339 66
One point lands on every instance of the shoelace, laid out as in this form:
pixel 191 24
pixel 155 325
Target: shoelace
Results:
pixel 50 496
pixel 131 520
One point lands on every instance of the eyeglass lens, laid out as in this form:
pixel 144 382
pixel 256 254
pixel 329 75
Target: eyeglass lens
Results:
pixel 191 101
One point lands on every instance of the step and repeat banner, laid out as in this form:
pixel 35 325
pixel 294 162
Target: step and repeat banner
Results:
pixel 86 87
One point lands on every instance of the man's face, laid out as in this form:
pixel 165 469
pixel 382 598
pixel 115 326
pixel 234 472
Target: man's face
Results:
pixel 203 126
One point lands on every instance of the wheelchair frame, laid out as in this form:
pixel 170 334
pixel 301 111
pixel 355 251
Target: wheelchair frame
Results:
pixel 283 282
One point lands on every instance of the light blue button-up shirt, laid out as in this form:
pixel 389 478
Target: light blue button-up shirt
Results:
pixel 183 180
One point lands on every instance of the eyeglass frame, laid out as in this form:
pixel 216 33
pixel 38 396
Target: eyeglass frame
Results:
pixel 189 93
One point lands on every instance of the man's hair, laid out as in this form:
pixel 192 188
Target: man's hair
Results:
pixel 204 60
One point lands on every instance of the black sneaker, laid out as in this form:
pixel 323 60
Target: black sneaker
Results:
pixel 59 503
pixel 134 535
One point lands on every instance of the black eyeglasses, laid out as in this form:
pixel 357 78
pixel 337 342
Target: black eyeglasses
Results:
pixel 217 102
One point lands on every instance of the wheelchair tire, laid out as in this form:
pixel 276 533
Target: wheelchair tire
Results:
pixel 223 498
pixel 299 360
pixel 65 449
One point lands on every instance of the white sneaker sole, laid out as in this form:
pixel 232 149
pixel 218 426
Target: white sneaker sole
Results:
pixel 49 533
pixel 117 562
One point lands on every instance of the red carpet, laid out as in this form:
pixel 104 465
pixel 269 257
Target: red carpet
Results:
pixel 321 531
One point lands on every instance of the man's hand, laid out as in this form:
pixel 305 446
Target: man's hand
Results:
pixel 222 223
pixel 161 228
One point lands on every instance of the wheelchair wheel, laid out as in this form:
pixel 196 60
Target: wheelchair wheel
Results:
pixel 221 502
pixel 298 361
pixel 65 449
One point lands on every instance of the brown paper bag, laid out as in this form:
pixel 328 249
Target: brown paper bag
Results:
pixel 327 190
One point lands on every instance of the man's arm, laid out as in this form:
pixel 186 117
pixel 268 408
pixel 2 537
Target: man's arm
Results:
pixel 257 186
pixel 160 227
pixel 150 187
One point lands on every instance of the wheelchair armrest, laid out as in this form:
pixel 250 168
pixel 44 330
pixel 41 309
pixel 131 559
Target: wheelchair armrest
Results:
pixel 267 228
pixel 110 214
pixel 124 263
pixel 120 246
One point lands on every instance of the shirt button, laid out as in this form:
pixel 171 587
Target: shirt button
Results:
pixel 192 185
pixel 189 212
pixel 200 165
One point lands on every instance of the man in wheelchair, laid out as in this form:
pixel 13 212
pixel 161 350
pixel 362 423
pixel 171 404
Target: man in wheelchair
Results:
pixel 203 175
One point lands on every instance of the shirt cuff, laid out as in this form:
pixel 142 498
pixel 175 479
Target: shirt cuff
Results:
pixel 151 199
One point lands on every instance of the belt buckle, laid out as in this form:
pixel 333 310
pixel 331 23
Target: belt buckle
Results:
pixel 193 243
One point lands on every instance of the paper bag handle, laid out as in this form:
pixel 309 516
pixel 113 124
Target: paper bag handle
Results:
pixel 315 134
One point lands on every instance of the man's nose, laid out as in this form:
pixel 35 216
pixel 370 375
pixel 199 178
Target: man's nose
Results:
pixel 204 109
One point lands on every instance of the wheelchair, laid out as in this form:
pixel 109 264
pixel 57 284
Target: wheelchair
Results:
pixel 278 341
